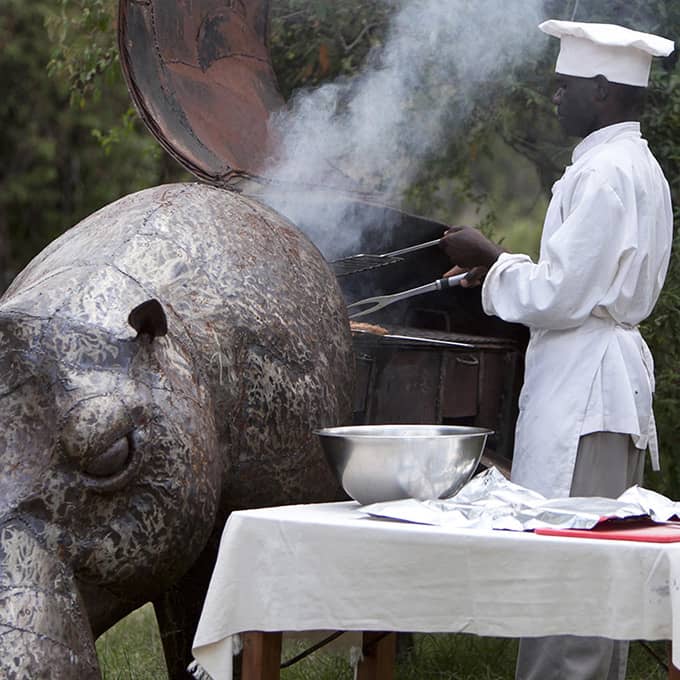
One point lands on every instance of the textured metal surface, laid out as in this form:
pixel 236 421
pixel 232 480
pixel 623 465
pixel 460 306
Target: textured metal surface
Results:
pixel 361 263
pixel 120 456
pixel 200 75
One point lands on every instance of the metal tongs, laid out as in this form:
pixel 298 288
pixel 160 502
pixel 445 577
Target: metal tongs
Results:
pixel 364 261
pixel 380 301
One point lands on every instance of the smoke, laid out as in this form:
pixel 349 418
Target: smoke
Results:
pixel 374 132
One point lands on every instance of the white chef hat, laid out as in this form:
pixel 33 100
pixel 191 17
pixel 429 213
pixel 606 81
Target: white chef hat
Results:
pixel 619 54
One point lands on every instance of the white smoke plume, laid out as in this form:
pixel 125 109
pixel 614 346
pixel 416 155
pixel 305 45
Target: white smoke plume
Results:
pixel 373 132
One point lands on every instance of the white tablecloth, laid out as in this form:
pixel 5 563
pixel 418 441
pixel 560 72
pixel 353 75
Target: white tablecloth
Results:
pixel 328 567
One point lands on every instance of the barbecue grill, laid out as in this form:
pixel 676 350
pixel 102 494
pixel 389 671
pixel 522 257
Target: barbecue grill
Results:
pixel 201 77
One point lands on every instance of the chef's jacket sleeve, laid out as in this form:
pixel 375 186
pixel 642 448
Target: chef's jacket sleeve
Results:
pixel 578 265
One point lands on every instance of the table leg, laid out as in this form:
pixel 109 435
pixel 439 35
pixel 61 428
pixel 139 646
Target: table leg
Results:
pixel 379 651
pixel 261 656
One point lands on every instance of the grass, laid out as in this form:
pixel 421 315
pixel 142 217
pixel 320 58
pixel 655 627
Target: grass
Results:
pixel 131 650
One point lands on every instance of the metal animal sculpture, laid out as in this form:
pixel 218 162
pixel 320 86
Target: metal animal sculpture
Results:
pixel 162 363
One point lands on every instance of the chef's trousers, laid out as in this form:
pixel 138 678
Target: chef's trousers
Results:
pixel 607 464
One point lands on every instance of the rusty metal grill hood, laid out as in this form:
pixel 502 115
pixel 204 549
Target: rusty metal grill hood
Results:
pixel 200 74
pixel 201 77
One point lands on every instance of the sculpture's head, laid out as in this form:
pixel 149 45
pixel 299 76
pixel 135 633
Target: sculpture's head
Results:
pixel 109 481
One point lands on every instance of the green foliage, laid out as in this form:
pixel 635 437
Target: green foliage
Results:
pixel 29 147
pixel 83 34
pixel 316 40
pixel 62 162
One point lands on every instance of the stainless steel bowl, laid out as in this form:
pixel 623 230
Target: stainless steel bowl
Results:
pixel 388 462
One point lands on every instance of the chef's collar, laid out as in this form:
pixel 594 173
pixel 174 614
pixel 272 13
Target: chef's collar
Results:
pixel 605 135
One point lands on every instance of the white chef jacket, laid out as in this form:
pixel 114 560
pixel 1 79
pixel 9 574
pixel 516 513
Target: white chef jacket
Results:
pixel 604 254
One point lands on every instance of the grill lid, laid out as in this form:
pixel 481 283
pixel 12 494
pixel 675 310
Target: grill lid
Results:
pixel 201 77
pixel 200 74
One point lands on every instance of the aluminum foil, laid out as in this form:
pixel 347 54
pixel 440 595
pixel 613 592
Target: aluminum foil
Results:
pixel 490 501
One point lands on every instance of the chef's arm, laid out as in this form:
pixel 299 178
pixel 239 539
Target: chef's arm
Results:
pixel 578 263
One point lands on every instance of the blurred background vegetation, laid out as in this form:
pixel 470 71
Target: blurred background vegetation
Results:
pixel 71 141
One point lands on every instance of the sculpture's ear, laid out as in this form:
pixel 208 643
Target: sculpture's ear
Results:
pixel 149 319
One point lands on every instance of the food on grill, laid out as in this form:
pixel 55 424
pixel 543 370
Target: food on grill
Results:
pixel 367 328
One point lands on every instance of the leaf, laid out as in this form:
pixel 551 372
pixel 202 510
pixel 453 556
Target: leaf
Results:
pixel 307 71
pixel 324 60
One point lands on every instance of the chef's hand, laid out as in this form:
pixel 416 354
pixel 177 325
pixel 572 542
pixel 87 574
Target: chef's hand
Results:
pixel 469 249
pixel 474 277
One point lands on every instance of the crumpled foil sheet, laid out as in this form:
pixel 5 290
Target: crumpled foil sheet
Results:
pixel 490 501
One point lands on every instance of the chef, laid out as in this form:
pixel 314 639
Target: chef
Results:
pixel 586 416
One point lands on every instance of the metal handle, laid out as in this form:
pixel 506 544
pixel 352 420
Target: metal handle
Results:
pixel 450 281
pixel 439 284
pixel 467 360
